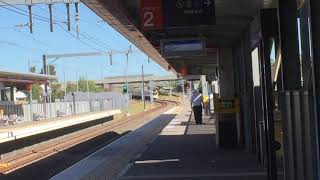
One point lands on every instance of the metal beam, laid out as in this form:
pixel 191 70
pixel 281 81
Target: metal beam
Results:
pixel 49 56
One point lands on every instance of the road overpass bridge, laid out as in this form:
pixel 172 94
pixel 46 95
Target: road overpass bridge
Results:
pixel 135 79
pixel 116 82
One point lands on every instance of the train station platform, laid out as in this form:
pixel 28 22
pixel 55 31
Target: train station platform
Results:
pixel 19 131
pixel 171 146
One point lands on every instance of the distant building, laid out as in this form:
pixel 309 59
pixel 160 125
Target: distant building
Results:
pixel 15 86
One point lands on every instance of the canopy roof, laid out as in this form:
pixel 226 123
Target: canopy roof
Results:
pixel 24 78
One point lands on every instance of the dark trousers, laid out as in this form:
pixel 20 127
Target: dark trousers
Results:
pixel 197 110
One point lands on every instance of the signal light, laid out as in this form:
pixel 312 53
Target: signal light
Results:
pixel 125 89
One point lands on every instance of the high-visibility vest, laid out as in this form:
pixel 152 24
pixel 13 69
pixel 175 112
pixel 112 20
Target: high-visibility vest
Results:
pixel 205 99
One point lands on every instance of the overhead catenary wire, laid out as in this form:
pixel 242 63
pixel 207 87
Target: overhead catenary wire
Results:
pixel 12 10
pixel 20 46
pixel 84 35
pixel 25 11
pixel 59 24
pixel 38 17
pixel 88 37
pixel 32 38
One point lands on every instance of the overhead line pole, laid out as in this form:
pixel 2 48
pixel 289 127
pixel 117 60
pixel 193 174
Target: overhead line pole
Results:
pixel 44 58
pixel 51 17
pixel 77 80
pixel 69 55
pixel 30 18
pixel 65 83
pixel 143 95
pixel 68 16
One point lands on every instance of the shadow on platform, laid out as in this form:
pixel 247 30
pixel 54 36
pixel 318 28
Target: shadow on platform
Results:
pixel 184 150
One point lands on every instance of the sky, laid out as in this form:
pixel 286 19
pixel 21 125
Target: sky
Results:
pixel 18 46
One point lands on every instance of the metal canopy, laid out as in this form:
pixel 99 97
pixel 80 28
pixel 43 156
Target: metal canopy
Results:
pixel 232 16
pixel 32 77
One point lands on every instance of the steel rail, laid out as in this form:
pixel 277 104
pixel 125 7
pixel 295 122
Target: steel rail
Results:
pixel 50 149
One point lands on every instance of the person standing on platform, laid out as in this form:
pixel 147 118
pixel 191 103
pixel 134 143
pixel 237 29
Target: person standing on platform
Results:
pixel 196 103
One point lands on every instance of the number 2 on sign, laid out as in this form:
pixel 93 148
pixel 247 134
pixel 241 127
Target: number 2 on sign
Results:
pixel 149 19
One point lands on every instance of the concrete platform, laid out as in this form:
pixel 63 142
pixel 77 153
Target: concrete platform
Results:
pixel 171 146
pixel 108 162
pixel 184 150
pixel 19 131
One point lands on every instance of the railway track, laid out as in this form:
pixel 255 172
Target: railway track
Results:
pixel 37 154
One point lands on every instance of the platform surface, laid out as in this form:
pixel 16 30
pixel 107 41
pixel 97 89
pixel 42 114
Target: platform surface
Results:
pixel 169 147
pixel 18 131
pixel 184 150
pixel 112 159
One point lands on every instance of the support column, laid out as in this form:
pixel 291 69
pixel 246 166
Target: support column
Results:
pixel 226 123
pixel 249 135
pixel 315 31
pixel 237 88
pixel 309 128
pixel 269 108
pixel 12 93
pixel 242 89
pixel 269 32
pixel 291 75
pixel 305 46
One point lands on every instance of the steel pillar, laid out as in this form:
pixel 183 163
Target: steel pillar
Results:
pixel 269 33
pixel 305 46
pixel 242 88
pixel 225 123
pixel 238 89
pixel 291 75
pixel 250 128
pixel 44 58
pixel 311 153
pixel 315 34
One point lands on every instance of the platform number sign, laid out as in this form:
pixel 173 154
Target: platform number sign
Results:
pixel 151 14
pixel 159 14
pixel 148 17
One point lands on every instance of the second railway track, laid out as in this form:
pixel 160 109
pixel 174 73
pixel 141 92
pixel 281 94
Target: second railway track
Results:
pixel 37 154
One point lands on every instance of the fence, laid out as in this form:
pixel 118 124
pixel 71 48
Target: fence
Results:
pixel 11 113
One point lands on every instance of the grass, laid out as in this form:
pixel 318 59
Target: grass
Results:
pixel 136 107
pixel 172 98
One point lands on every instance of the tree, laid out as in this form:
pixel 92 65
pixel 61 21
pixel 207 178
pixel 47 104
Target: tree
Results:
pixel 71 87
pixel 33 69
pixel 52 70
pixel 56 93
pixel 91 84
pixel 36 92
